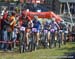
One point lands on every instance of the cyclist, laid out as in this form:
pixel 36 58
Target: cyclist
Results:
pixel 46 32
pixel 36 30
pixel 64 31
pixel 24 21
pixel 53 30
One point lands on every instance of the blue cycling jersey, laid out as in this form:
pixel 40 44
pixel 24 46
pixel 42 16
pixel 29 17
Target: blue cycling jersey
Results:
pixel 37 24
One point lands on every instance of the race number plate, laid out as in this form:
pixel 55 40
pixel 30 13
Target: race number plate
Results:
pixel 52 30
pixel 34 30
pixel 22 28
pixel 45 31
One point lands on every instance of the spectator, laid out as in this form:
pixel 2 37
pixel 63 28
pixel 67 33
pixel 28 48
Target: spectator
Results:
pixel 11 28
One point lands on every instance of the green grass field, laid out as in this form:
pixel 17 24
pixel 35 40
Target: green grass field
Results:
pixel 65 50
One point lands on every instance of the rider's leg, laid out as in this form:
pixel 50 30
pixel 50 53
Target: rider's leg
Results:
pixel 38 38
pixel 49 38
pixel 55 41
pixel 52 40
pixel 27 38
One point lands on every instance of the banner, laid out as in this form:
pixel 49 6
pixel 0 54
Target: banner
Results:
pixel 39 14
pixel 48 14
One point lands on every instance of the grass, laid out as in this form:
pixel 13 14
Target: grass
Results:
pixel 41 53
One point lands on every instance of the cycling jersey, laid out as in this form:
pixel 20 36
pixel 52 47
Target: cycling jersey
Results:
pixel 46 26
pixel 36 26
pixel 54 27
pixel 24 22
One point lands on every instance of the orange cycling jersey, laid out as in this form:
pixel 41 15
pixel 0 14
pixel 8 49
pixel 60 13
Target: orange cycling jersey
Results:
pixel 12 22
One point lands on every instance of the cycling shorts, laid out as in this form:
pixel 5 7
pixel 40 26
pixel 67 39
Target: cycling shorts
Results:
pixel 45 31
pixel 52 30
pixel 35 30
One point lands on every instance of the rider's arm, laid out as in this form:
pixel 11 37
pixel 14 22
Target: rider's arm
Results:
pixel 57 25
pixel 29 18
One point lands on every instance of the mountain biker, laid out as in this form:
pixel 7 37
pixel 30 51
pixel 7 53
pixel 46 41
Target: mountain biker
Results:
pixel 53 30
pixel 25 27
pixel 36 29
pixel 46 33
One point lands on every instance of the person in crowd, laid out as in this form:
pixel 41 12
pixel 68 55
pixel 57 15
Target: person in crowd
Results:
pixel 11 28
pixel 3 11
pixel 4 25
